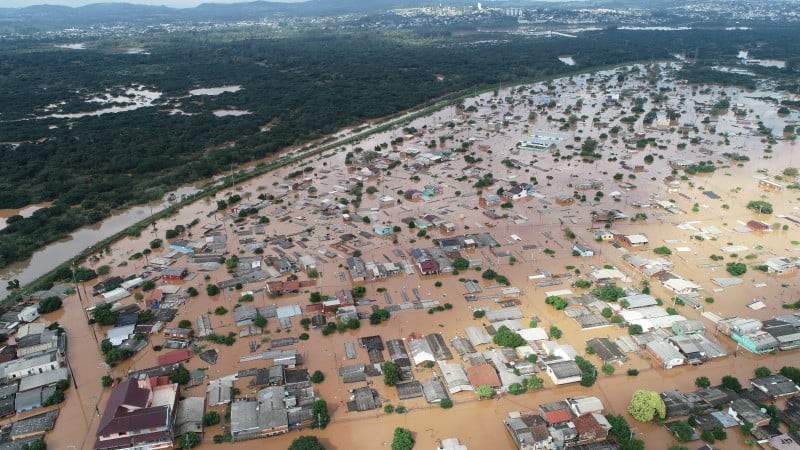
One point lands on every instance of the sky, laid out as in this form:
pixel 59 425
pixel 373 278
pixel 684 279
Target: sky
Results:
pixel 170 3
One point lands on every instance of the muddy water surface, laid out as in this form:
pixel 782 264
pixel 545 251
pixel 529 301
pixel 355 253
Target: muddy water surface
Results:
pixel 478 424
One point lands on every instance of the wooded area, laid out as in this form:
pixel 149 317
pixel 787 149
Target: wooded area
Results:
pixel 303 85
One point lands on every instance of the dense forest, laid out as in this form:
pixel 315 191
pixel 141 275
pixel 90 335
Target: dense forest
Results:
pixel 304 85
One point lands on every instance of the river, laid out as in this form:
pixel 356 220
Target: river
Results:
pixel 51 256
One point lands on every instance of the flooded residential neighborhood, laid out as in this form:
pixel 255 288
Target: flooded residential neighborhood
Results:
pixel 625 229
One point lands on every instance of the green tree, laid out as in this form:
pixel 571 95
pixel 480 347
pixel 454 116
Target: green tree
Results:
pixel 180 375
pixel 319 410
pixel 732 383
pixel 608 369
pixel 315 297
pixel 762 372
pixel 635 329
pixel 189 440
pixel 106 381
pixel 792 373
pixel 192 291
pixel 210 418
pixel 682 430
pixel 760 207
pixel 557 302
pixel 391 373
pixel 609 293
pixel 534 383
pixel 49 304
pixel 516 389
pixel 35 445
pixel 735 268
pixel 646 406
pixel 102 314
pixel 663 250
pixel 485 391
pixel 212 290
pixel 504 337
pixel 555 332
pixel 702 382
pixel 260 322
pixel 402 440
pixel 187 324
pixel 489 274
pixel 306 443
pixel 148 285
pixel 446 403
pixel 460 264
pixel 317 377
pixel 478 313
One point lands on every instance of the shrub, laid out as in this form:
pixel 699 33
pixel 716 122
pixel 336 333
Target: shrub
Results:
pixel 210 418
pixel 317 377
pixel 49 304
pixel 446 403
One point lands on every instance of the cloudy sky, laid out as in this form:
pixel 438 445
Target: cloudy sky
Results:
pixel 171 3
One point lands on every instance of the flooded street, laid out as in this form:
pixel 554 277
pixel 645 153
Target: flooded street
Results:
pixel 532 233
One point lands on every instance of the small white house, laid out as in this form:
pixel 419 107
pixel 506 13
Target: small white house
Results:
pixel 28 314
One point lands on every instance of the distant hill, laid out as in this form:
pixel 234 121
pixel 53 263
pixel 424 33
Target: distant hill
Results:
pixel 106 13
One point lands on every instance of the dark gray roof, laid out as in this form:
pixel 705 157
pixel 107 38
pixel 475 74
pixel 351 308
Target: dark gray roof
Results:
pixel 607 351
pixel 434 391
pixel 411 389
pixel 775 385
pixel 364 399
pixel 35 424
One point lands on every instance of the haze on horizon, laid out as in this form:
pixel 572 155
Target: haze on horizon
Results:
pixel 169 3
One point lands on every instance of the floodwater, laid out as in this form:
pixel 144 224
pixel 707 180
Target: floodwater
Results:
pixel 567 59
pixel 136 97
pixel 539 222
pixel 60 251
pixel 230 112
pixel 215 90
pixel 26 211
pixel 79 46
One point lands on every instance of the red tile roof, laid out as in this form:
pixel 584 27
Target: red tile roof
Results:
pixel 557 416
pixel 483 374
pixel 181 354
pixel 586 423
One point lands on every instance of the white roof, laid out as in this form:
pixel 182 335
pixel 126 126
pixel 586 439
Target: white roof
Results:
pixel 288 311
pixel 116 294
pixel 639 300
pixel 420 351
pixel 666 321
pixel 118 334
pixel 533 334
pixel 559 293
pixel 637 238
pixel 132 283
pixel 680 285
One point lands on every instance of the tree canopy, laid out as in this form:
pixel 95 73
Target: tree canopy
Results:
pixel 306 443
pixel 504 337
pixel 646 406
pixel 403 440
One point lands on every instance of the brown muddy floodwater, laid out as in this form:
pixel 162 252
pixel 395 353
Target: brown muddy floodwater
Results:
pixel 535 223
